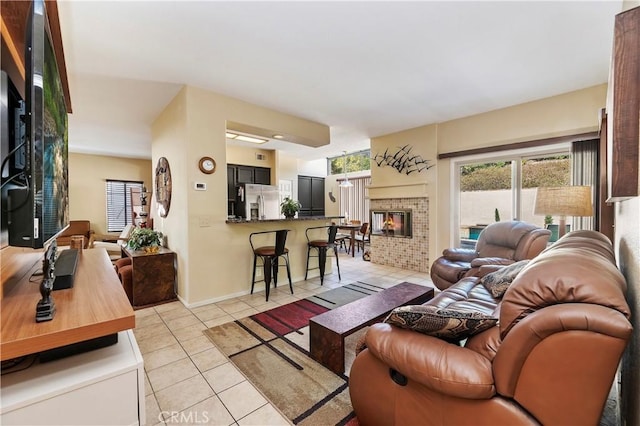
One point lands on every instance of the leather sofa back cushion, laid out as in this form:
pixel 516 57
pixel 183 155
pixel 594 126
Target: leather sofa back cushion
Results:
pixel 451 325
pixel 564 274
pixel 501 240
pixel 499 281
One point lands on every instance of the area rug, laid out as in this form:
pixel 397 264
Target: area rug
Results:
pixel 272 350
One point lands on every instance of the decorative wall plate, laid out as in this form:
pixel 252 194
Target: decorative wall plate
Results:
pixel 163 186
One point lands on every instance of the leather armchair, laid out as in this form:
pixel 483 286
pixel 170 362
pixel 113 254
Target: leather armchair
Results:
pixel 551 359
pixel 500 243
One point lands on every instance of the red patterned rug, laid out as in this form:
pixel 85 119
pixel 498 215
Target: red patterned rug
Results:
pixel 272 350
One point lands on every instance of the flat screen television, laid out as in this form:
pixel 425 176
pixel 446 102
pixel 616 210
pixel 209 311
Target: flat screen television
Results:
pixel 38 210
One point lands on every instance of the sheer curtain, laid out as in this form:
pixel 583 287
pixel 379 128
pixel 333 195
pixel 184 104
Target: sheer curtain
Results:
pixel 355 200
pixel 584 172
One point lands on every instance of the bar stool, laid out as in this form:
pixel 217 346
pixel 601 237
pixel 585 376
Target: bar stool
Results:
pixel 322 246
pixel 270 256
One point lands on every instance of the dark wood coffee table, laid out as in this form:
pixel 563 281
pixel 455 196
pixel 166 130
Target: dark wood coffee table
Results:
pixel 328 330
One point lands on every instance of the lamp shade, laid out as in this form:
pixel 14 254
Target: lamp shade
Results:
pixel 564 201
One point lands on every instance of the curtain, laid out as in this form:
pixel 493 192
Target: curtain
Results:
pixel 355 200
pixel 584 172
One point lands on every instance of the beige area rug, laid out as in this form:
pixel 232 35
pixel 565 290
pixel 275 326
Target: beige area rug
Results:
pixel 272 350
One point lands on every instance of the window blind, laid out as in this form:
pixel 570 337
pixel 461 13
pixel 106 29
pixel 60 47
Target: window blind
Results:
pixel 119 204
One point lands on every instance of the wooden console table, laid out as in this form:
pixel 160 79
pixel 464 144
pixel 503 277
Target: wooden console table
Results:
pixel 95 306
pixel 328 330
pixel 153 276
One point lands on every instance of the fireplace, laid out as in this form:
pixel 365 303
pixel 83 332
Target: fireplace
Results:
pixel 410 251
pixel 391 223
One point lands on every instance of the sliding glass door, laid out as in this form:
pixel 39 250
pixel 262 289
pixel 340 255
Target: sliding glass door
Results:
pixel 504 188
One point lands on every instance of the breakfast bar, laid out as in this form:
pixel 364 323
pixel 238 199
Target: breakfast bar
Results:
pixel 296 241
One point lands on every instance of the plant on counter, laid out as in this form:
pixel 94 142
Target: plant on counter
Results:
pixel 290 207
pixel 145 237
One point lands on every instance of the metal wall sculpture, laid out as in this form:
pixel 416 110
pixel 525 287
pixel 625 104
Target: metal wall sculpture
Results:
pixel 403 160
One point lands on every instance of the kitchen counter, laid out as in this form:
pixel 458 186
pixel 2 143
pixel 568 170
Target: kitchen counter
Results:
pixel 296 243
pixel 297 219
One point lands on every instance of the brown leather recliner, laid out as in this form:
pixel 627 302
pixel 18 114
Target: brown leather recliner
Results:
pixel 551 359
pixel 500 243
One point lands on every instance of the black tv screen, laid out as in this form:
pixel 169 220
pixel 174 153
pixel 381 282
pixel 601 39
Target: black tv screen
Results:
pixel 40 211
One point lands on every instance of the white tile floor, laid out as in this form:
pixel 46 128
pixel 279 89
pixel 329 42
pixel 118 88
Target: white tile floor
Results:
pixel 189 381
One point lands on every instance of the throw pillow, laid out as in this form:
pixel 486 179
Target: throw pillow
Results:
pixel 499 281
pixel 447 324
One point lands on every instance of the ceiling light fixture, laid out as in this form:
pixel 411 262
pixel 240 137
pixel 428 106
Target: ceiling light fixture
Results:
pixel 250 139
pixel 278 137
pixel 230 135
pixel 345 183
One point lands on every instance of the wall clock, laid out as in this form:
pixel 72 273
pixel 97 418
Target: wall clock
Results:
pixel 163 186
pixel 207 165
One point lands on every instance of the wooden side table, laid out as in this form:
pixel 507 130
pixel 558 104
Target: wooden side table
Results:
pixel 153 276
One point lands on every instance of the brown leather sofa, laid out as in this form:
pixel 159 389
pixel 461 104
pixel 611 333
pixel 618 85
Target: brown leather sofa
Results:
pixel 552 358
pixel 500 243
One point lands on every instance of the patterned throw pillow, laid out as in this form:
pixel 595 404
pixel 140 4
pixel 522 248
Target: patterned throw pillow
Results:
pixel 447 324
pixel 499 281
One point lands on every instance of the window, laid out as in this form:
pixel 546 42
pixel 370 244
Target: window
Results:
pixel 353 162
pixel 119 204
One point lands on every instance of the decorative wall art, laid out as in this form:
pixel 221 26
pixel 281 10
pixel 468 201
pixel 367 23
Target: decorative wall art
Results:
pixel 402 160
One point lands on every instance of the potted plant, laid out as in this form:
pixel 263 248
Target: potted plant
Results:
pixel 290 207
pixel 145 239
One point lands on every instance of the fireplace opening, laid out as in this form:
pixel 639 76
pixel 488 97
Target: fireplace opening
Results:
pixel 391 223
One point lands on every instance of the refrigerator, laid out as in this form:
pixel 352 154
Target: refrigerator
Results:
pixel 257 202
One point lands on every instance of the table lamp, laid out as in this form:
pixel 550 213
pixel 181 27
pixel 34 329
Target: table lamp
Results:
pixel 564 201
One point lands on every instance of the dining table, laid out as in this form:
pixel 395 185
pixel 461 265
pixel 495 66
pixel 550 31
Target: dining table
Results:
pixel 352 228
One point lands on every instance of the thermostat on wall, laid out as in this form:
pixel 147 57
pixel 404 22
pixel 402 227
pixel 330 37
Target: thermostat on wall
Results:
pixel 200 186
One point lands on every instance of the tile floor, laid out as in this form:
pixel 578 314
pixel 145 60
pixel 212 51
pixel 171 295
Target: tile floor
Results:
pixel 189 381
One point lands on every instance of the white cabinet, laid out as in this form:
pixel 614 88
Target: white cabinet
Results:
pixel 103 386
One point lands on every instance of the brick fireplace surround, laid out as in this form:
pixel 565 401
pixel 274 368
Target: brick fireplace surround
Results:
pixel 406 253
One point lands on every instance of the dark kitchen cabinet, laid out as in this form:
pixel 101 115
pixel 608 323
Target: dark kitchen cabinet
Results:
pixel 237 174
pixel 311 195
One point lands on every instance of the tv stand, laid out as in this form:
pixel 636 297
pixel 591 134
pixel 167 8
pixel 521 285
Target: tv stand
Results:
pixel 78 348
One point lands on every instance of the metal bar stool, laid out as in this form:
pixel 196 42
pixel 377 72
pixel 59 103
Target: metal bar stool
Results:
pixel 322 246
pixel 270 256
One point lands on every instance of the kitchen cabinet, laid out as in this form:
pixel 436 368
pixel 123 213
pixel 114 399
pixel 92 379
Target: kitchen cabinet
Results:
pixel 237 174
pixel 311 195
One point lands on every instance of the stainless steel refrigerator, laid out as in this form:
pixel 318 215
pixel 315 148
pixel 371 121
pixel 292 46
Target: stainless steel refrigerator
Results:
pixel 258 202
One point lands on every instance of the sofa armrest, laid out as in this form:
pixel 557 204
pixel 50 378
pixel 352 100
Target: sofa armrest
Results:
pixel 480 261
pixel 439 365
pixel 459 254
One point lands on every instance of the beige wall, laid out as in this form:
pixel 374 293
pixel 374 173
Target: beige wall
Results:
pixel 214 258
pixel 387 182
pixel 562 115
pixel 87 187
pixel 566 114
pixel 247 157
pixel 627 242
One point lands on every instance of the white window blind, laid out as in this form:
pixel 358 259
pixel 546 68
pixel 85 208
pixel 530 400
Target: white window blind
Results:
pixel 119 204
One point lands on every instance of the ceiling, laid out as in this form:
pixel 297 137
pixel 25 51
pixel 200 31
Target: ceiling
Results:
pixel 363 68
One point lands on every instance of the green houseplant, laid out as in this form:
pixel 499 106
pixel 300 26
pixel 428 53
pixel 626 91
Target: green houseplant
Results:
pixel 145 239
pixel 290 207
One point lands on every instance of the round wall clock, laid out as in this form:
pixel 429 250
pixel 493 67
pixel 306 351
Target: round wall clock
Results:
pixel 207 165
pixel 163 186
